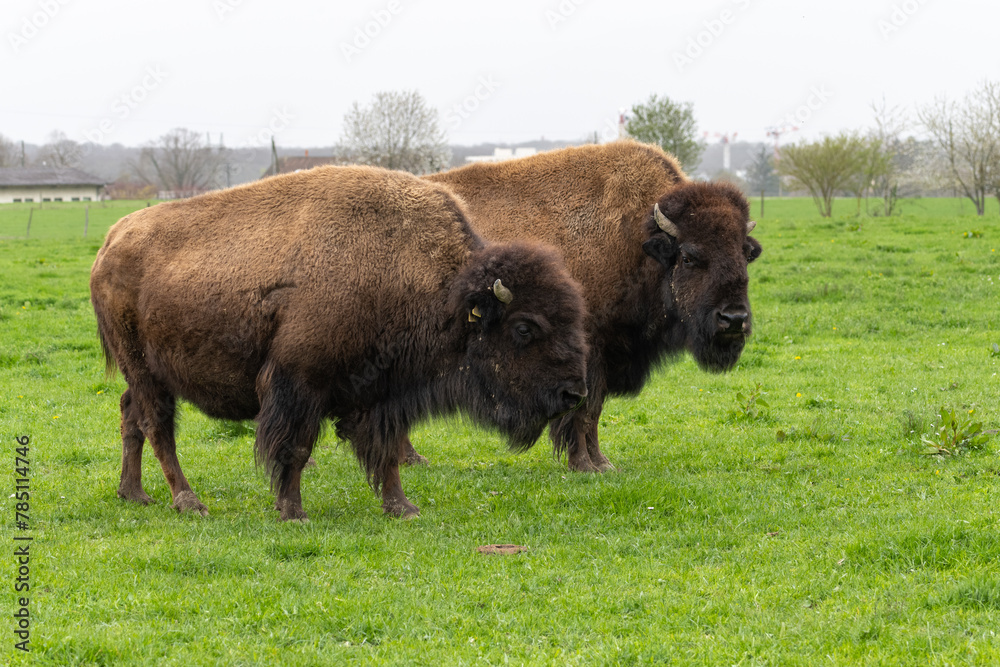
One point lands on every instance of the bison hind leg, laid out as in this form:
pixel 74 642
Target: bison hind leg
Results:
pixel 130 487
pixel 155 408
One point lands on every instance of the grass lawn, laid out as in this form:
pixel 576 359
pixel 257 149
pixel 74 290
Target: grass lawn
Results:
pixel 785 513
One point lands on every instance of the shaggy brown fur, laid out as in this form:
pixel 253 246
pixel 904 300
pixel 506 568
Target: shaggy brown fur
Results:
pixel 595 203
pixel 358 294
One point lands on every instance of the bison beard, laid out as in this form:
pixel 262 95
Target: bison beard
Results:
pixel 271 300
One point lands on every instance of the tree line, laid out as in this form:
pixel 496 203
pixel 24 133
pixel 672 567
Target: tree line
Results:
pixel 959 151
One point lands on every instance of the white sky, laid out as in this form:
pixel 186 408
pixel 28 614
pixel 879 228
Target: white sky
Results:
pixel 128 70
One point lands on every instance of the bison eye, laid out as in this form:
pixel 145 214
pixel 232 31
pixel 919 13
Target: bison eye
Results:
pixel 523 332
pixel 686 259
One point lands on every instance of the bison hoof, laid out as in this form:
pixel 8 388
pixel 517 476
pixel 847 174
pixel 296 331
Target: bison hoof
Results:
pixel 602 463
pixel 290 511
pixel 582 465
pixel 415 459
pixel 134 495
pixel 296 514
pixel 403 509
pixel 186 501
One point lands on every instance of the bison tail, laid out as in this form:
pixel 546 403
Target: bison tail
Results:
pixel 103 322
pixel 110 365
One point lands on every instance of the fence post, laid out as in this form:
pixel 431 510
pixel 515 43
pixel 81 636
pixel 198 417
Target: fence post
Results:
pixel 86 219
pixel 31 212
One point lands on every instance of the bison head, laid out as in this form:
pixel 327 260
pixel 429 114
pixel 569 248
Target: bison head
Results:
pixel 699 233
pixel 525 349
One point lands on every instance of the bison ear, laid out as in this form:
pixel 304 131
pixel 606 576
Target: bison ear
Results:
pixel 753 249
pixel 662 248
pixel 482 307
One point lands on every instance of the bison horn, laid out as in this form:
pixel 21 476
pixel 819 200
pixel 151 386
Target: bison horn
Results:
pixel 663 222
pixel 502 293
pixel 750 225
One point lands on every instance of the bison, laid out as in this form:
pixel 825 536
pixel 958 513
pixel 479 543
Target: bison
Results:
pixel 662 262
pixel 351 293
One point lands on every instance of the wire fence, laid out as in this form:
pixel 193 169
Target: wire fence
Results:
pixel 65 220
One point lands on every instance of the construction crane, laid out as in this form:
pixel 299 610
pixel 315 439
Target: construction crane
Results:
pixel 776 132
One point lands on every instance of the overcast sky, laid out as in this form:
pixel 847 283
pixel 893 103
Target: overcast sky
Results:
pixel 127 71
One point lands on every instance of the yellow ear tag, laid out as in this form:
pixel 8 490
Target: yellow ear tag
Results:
pixel 475 311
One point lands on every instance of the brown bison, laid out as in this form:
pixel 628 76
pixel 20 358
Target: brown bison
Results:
pixel 353 293
pixel 662 262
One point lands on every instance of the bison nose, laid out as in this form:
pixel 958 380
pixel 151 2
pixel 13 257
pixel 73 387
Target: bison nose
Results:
pixel 571 396
pixel 733 320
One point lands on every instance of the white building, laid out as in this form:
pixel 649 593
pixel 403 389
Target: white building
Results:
pixel 501 154
pixel 46 184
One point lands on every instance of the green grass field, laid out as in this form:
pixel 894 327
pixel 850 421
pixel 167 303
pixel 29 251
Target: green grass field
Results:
pixel 810 530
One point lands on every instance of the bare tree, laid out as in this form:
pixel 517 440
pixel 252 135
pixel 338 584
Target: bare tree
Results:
pixel 669 124
pixel 968 134
pixel 396 131
pixel 60 152
pixel 761 175
pixel 888 158
pixel 9 155
pixel 825 167
pixel 874 166
pixel 180 163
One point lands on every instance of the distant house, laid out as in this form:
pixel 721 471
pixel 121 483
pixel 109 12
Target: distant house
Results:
pixel 501 154
pixel 291 164
pixel 46 184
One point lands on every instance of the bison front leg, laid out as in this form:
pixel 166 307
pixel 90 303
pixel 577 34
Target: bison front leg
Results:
pixel 287 427
pixel 394 501
pixel 576 434
pixel 130 487
pixel 578 456
pixel 380 452
pixel 597 457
